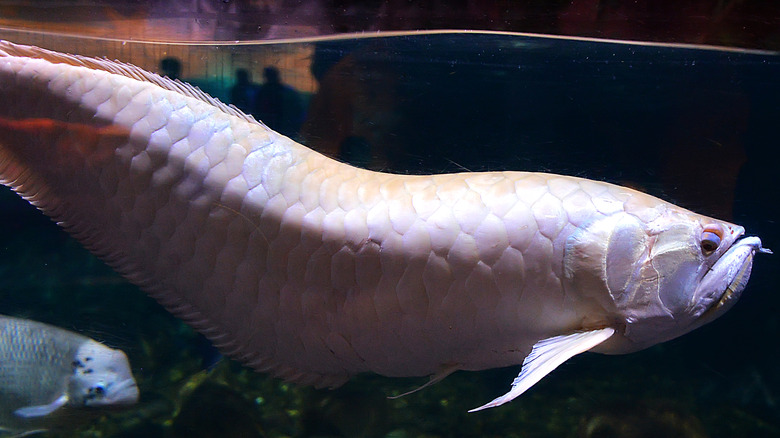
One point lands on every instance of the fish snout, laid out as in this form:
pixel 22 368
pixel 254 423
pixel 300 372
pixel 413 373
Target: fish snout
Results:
pixel 124 392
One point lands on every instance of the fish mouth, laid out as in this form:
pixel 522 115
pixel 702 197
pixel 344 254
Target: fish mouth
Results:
pixel 728 277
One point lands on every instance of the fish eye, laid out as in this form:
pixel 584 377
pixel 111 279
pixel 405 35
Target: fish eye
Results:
pixel 710 239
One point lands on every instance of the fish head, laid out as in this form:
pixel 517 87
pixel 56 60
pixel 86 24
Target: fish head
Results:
pixel 101 377
pixel 663 275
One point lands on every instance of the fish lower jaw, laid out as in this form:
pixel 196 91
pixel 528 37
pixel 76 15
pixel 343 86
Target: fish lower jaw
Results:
pixel 739 278
pixel 727 294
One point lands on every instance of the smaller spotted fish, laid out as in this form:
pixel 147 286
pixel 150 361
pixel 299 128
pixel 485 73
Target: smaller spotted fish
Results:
pixel 45 368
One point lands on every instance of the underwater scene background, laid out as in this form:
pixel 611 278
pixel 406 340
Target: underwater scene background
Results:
pixel 693 125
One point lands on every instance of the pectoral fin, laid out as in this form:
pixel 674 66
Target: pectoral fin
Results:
pixel 435 378
pixel 27 433
pixel 41 410
pixel 545 356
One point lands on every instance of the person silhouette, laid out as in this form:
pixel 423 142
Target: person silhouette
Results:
pixel 278 105
pixel 170 67
pixel 243 94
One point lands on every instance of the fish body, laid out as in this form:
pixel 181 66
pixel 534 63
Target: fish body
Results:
pixel 45 368
pixel 314 271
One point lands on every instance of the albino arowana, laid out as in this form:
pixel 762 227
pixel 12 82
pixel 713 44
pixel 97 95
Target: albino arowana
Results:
pixel 312 270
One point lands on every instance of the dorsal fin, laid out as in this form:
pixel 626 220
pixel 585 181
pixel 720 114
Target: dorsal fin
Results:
pixel 8 48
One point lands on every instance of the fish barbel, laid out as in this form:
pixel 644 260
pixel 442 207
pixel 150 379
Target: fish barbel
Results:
pixel 312 270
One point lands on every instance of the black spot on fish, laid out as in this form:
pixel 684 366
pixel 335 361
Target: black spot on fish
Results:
pixel 95 392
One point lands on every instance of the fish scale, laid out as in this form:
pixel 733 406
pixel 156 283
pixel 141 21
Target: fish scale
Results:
pixel 305 267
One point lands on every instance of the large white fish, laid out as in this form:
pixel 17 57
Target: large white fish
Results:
pixel 314 271
pixel 44 368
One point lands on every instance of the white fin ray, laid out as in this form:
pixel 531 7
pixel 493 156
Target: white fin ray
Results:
pixel 41 410
pixel 26 433
pixel 546 355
